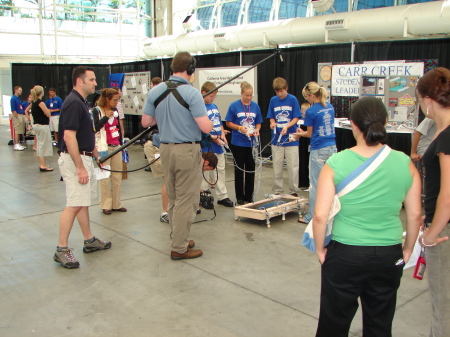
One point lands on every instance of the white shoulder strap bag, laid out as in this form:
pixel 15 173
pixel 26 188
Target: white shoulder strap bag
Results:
pixel 345 186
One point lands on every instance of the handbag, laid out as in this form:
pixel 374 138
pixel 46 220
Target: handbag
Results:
pixel 353 180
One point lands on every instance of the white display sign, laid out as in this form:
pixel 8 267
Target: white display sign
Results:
pixel 134 92
pixel 221 75
pixel 346 77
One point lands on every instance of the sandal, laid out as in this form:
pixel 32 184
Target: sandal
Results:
pixel 107 211
pixel 45 169
pixel 300 220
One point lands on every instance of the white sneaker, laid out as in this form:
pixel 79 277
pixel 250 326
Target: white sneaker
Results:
pixel 19 147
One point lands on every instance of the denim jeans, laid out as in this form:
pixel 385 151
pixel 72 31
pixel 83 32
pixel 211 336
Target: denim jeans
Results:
pixel 317 159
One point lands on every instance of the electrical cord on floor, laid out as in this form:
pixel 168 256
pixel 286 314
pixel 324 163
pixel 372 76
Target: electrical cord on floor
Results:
pixel 214 210
pixel 127 171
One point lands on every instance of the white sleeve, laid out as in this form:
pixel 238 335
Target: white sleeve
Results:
pixel 425 126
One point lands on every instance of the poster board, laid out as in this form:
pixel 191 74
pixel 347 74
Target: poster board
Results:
pixel 403 107
pixel 346 78
pixel 134 92
pixel 230 92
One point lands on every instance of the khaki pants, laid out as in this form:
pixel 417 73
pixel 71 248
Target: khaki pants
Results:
pixel 181 164
pixel 150 152
pixel 290 153
pixel 19 124
pixel 438 270
pixel 110 187
pixel 44 140
pixel 221 189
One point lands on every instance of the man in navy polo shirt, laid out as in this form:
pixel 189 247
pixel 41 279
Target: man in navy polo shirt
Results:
pixel 77 151
pixel 18 118
pixel 54 104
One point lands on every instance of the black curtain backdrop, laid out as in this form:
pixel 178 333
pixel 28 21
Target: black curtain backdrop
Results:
pixel 299 67
pixel 58 76
pixel 404 50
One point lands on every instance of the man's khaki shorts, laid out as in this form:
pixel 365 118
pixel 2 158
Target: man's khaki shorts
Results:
pixel 54 123
pixel 152 152
pixel 19 124
pixel 78 194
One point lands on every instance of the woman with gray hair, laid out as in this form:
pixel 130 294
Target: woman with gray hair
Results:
pixel 41 117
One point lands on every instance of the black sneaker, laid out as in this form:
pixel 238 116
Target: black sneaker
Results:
pixel 240 202
pixel 226 202
pixel 66 258
pixel 96 245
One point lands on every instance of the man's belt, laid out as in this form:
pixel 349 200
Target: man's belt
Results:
pixel 193 142
pixel 83 153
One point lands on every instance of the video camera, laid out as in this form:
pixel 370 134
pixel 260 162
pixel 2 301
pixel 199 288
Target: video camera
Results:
pixel 206 200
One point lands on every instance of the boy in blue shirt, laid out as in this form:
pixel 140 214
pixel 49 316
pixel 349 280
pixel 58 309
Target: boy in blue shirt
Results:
pixel 54 104
pixel 18 118
pixel 284 113
pixel 218 136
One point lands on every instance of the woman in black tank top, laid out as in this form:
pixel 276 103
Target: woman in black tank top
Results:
pixel 41 117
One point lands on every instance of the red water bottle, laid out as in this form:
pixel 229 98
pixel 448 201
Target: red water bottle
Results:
pixel 420 266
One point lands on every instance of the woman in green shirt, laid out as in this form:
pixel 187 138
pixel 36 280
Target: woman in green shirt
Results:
pixel 365 258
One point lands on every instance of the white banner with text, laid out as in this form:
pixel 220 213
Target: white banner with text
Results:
pixel 346 77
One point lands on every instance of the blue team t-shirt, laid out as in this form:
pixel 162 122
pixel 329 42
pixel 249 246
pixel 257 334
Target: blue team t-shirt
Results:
pixel 245 115
pixel 25 105
pixel 283 111
pixel 322 120
pixel 54 103
pixel 16 105
pixel 214 116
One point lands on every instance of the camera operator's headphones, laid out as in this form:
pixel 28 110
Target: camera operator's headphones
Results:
pixel 191 67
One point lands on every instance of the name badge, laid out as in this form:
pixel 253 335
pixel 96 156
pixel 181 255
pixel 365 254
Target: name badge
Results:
pixel 114 132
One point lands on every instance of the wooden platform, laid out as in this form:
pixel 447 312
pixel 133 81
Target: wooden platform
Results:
pixel 268 208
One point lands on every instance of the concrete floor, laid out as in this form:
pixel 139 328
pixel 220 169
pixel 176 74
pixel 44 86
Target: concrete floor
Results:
pixel 251 281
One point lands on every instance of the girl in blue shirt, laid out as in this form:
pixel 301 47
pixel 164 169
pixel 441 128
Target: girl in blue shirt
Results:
pixel 319 120
pixel 244 119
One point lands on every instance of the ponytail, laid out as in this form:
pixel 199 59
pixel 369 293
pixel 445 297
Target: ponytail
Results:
pixel 36 92
pixel 312 88
pixel 369 115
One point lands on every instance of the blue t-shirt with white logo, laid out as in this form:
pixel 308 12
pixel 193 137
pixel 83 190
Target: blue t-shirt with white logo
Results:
pixel 54 103
pixel 283 111
pixel 322 120
pixel 243 115
pixel 214 116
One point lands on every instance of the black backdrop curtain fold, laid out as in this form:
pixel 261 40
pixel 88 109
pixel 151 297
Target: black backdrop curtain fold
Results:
pixel 404 50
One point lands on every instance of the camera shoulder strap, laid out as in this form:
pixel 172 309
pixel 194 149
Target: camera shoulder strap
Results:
pixel 172 89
